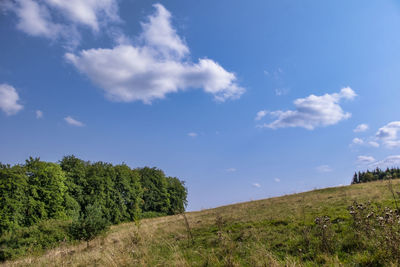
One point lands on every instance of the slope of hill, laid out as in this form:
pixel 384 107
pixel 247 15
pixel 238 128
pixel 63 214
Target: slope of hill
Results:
pixel 289 230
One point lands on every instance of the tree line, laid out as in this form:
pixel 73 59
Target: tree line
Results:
pixel 375 175
pixel 84 192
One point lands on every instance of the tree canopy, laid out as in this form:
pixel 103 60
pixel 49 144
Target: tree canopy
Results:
pixel 375 175
pixel 38 190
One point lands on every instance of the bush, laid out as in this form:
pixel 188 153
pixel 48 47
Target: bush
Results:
pixel 43 235
pixel 90 224
pixel 151 214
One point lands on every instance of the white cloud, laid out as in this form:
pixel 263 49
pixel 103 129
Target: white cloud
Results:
pixel 231 169
pixel 256 185
pixel 90 13
pixel 324 168
pixel 39 114
pixel 365 159
pixel 277 180
pixel 73 122
pixel 261 114
pixel 373 144
pixel 276 74
pixel 158 65
pixel 358 141
pixel 59 19
pixel 159 34
pixel 390 161
pixel 313 111
pixel 281 91
pixel 192 134
pixel 361 128
pixel 388 134
pixel 35 19
pixel 9 99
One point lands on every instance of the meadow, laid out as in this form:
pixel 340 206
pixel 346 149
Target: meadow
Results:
pixel 307 229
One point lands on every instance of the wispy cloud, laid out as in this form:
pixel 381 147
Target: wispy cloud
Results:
pixel 256 185
pixel 373 144
pixel 275 74
pixel 388 162
pixel 313 111
pixel 156 66
pixel 231 169
pixel 56 19
pixel 74 122
pixel 39 114
pixel 281 91
pixel 277 180
pixel 324 168
pixel 192 134
pixel 9 99
pixel 364 142
pixel 365 159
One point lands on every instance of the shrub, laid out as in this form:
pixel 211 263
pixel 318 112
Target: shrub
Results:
pixel 90 224
pixel 43 235
pixel 151 214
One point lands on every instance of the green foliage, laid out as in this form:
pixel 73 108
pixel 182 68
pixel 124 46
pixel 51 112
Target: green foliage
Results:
pixel 375 175
pixel 45 192
pixel 155 192
pixel 130 192
pixel 151 214
pixel 13 198
pixel 177 192
pixel 90 223
pixel 36 238
pixel 90 195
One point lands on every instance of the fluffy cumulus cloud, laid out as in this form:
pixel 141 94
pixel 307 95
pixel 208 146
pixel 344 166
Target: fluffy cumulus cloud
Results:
pixel 56 19
pixel 34 19
pixel 358 141
pixel 156 66
pixel 388 134
pixel 361 128
pixel 73 122
pixel 90 13
pixel 261 114
pixel 313 111
pixel 9 99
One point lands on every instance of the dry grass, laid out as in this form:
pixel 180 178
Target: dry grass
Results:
pixel 164 241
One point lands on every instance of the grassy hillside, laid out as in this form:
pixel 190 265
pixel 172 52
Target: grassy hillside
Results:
pixel 271 232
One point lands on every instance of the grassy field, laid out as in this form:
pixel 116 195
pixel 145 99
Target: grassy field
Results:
pixel 281 231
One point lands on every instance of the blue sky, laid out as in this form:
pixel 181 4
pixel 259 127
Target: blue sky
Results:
pixel 242 100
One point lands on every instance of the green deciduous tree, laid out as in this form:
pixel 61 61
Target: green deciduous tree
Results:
pixel 177 195
pixel 46 190
pixel 155 193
